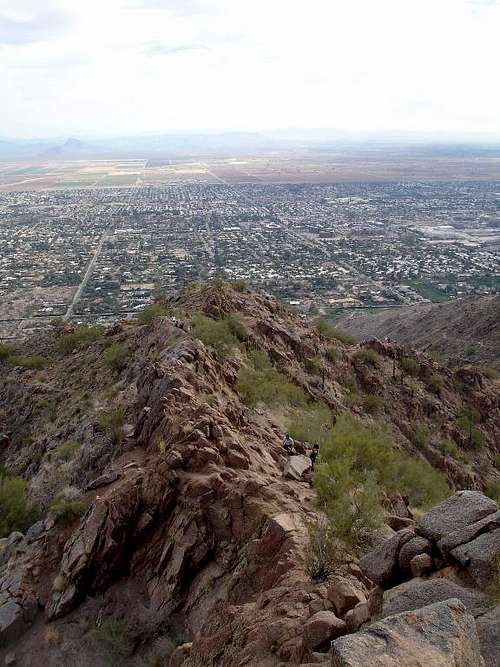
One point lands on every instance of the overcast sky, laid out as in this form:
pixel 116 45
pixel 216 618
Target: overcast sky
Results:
pixel 108 67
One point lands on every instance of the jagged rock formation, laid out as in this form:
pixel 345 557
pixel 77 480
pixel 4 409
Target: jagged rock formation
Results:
pixel 463 331
pixel 191 530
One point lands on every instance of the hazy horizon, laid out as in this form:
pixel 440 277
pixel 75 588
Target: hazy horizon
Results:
pixel 158 67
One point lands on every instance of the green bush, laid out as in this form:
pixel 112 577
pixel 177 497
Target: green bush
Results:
pixel 67 506
pixel 222 335
pixel 332 354
pixel 113 642
pixel 116 356
pixel 311 424
pixel 79 339
pixel 113 421
pixel 368 356
pixel 435 384
pixel 65 452
pixel 358 463
pixel 239 284
pixel 6 350
pixel 410 366
pixel 373 404
pixel 313 366
pixel 421 435
pixel 492 489
pixel 263 383
pixel 35 362
pixel 325 554
pixel 329 331
pixel 16 513
pixel 151 312
pixel 466 421
pixel 489 372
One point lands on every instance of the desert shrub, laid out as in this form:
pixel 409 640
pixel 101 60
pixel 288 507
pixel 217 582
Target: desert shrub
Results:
pixel 262 383
pixel 332 354
pixel 313 366
pixel 450 448
pixel 410 366
pixel 466 421
pixel 421 435
pixel 151 312
pixel 368 356
pixel 329 331
pixel 116 355
pixel 373 404
pixel 222 335
pixel 65 452
pixel 358 463
pixel 34 362
pixel 67 505
pixel 325 554
pixel 113 641
pixel 237 328
pixel 239 284
pixel 16 512
pixel 311 423
pixel 496 462
pixel 6 350
pixel 79 339
pixel 435 384
pixel 492 489
pixel 113 421
pixel 489 372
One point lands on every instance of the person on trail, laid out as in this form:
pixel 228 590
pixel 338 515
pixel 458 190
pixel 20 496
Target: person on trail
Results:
pixel 314 454
pixel 288 444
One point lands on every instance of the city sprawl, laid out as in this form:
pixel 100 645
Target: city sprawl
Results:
pixel 102 252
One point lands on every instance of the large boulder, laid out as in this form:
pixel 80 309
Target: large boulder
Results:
pixel 418 593
pixel 344 595
pixel 469 533
pixel 417 545
pixel 296 466
pixel 481 557
pixel 440 635
pixel 381 564
pixel 488 630
pixel 321 628
pixel 455 513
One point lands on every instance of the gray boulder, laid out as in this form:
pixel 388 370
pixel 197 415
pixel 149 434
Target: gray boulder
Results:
pixel 12 623
pixel 456 513
pixel 418 593
pixel 440 635
pixel 417 545
pixel 488 630
pixel 421 564
pixel 469 533
pixel 481 557
pixel 381 564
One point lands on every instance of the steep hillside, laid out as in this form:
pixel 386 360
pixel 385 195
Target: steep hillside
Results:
pixel 152 456
pixel 465 331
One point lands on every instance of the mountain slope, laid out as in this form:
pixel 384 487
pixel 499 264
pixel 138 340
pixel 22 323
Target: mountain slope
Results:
pixel 190 533
pixel 466 331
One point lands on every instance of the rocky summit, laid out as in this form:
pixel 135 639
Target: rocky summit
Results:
pixel 151 516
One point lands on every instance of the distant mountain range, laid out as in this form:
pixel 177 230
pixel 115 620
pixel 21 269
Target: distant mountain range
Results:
pixel 224 144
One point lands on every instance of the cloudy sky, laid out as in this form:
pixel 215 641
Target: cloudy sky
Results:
pixel 108 67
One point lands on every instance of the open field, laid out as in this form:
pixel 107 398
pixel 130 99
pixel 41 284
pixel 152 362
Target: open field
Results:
pixel 329 168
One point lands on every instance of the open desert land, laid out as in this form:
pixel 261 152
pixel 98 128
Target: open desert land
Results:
pixel 63 174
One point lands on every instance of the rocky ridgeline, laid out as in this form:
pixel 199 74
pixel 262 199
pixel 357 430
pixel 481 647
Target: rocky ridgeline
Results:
pixel 193 534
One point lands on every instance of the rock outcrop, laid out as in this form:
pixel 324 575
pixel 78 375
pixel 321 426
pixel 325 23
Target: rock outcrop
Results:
pixel 440 635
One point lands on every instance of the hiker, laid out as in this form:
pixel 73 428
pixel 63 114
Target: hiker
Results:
pixel 314 454
pixel 288 444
